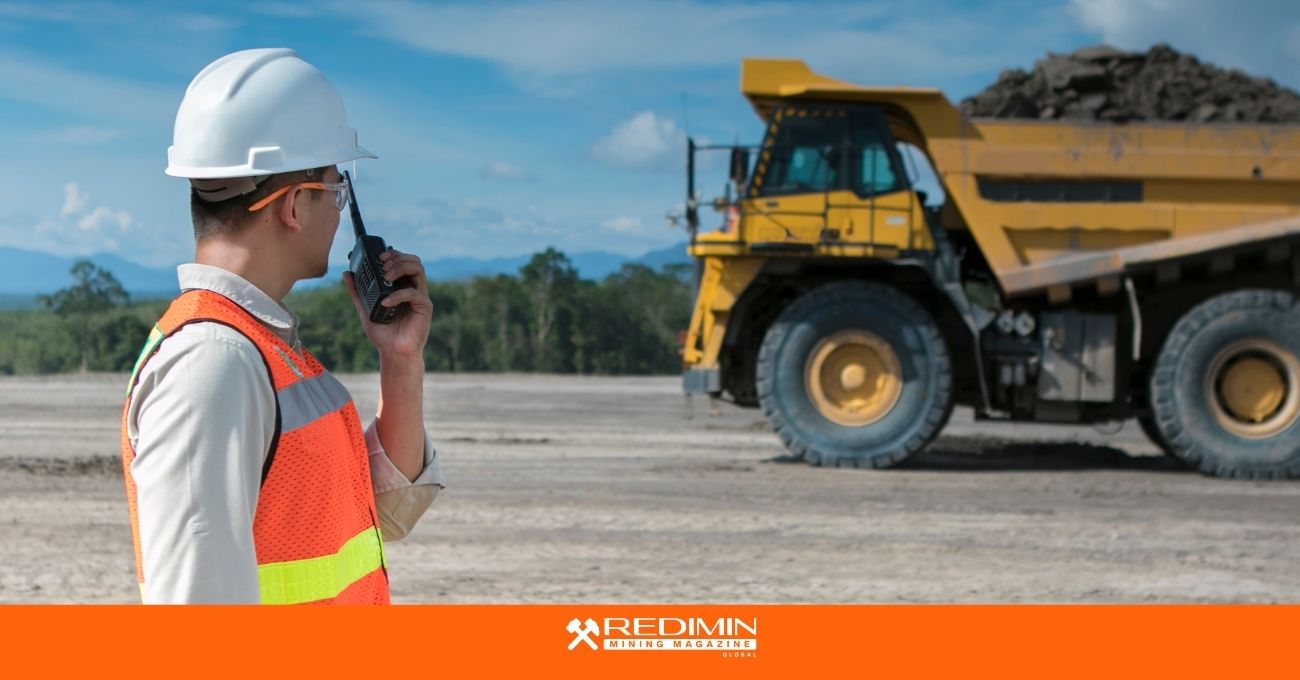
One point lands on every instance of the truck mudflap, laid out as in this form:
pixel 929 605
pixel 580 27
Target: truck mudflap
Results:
pixel 1058 275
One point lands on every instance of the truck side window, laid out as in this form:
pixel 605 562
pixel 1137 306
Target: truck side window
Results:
pixel 877 174
pixel 874 166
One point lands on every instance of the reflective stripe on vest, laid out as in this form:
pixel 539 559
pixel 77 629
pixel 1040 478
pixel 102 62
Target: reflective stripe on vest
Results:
pixel 315 530
pixel 310 398
pixel 321 578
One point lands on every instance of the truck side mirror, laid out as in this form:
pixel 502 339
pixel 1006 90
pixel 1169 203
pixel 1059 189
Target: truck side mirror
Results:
pixel 739 165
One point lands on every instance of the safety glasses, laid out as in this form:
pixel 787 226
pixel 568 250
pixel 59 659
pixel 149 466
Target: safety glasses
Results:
pixel 340 190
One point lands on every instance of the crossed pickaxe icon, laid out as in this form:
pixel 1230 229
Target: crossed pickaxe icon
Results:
pixel 582 632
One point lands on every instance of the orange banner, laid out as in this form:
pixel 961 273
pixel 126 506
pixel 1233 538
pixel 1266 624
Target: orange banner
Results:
pixel 635 641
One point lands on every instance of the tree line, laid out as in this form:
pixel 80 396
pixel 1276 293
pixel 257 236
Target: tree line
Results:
pixel 545 318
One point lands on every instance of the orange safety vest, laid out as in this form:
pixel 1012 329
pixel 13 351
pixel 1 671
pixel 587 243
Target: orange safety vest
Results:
pixel 316 530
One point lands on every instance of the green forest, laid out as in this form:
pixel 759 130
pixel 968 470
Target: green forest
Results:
pixel 545 318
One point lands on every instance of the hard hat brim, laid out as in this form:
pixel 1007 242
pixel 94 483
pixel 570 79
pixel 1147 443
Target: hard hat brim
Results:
pixel 255 169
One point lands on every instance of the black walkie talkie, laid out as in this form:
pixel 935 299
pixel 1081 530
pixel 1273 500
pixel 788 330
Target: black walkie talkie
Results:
pixel 367 270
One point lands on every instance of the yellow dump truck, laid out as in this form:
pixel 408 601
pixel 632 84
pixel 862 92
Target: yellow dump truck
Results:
pixel 1051 271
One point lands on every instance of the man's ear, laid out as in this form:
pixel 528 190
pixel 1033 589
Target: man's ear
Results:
pixel 289 209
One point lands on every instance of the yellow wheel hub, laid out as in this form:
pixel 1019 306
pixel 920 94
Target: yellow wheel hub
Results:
pixel 1253 388
pixel 853 378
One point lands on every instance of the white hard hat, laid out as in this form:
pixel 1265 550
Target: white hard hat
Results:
pixel 256 113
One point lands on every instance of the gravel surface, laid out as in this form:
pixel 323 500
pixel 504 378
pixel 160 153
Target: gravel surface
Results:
pixel 568 489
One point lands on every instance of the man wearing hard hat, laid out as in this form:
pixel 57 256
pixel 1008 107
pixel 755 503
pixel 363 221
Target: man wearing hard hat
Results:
pixel 249 475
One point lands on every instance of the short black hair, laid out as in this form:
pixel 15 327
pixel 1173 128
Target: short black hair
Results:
pixel 228 217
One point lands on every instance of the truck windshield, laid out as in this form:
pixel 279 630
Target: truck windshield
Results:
pixel 824 149
pixel 806 156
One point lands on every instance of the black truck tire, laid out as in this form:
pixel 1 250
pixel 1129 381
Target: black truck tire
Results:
pixel 1225 392
pixel 1152 431
pixel 855 375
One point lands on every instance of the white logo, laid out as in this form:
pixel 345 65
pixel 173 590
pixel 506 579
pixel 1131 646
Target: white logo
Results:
pixel 733 636
pixel 582 632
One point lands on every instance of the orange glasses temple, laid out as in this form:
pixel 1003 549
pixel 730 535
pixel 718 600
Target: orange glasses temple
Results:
pixel 319 186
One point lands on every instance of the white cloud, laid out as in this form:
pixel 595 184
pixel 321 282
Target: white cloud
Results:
pixel 484 227
pixel 32 80
pixel 646 141
pixel 79 228
pixel 1121 21
pixel 584 36
pixel 504 170
pixel 1260 37
pixel 283 10
pixel 74 202
pixel 82 135
pixel 558 48
pixel 202 23
pixel 109 13
pixel 470 217
pixel 580 47
pixel 37 12
pixel 624 224
pixel 102 217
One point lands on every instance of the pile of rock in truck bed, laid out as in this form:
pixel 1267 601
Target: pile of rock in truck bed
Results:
pixel 1105 84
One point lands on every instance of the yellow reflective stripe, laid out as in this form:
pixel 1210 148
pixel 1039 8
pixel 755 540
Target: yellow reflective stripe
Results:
pixel 320 578
pixel 155 337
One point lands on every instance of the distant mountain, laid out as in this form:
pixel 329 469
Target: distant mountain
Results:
pixel 658 259
pixel 30 273
pixel 18 301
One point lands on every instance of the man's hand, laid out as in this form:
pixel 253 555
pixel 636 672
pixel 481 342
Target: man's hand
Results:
pixel 405 337
pixel 400 419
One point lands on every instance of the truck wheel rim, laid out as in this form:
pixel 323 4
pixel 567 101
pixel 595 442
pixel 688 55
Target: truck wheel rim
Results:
pixel 1253 388
pixel 853 378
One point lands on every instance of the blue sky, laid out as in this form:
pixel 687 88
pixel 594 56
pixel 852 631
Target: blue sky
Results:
pixel 504 127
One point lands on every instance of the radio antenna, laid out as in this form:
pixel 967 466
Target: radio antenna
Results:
pixel 358 227
pixel 686 116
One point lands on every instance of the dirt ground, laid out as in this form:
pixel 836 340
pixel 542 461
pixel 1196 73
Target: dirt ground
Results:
pixel 568 489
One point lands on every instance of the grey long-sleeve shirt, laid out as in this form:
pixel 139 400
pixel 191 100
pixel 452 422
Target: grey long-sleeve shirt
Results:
pixel 201 420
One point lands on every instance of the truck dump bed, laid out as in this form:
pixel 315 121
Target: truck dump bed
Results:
pixel 1057 204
